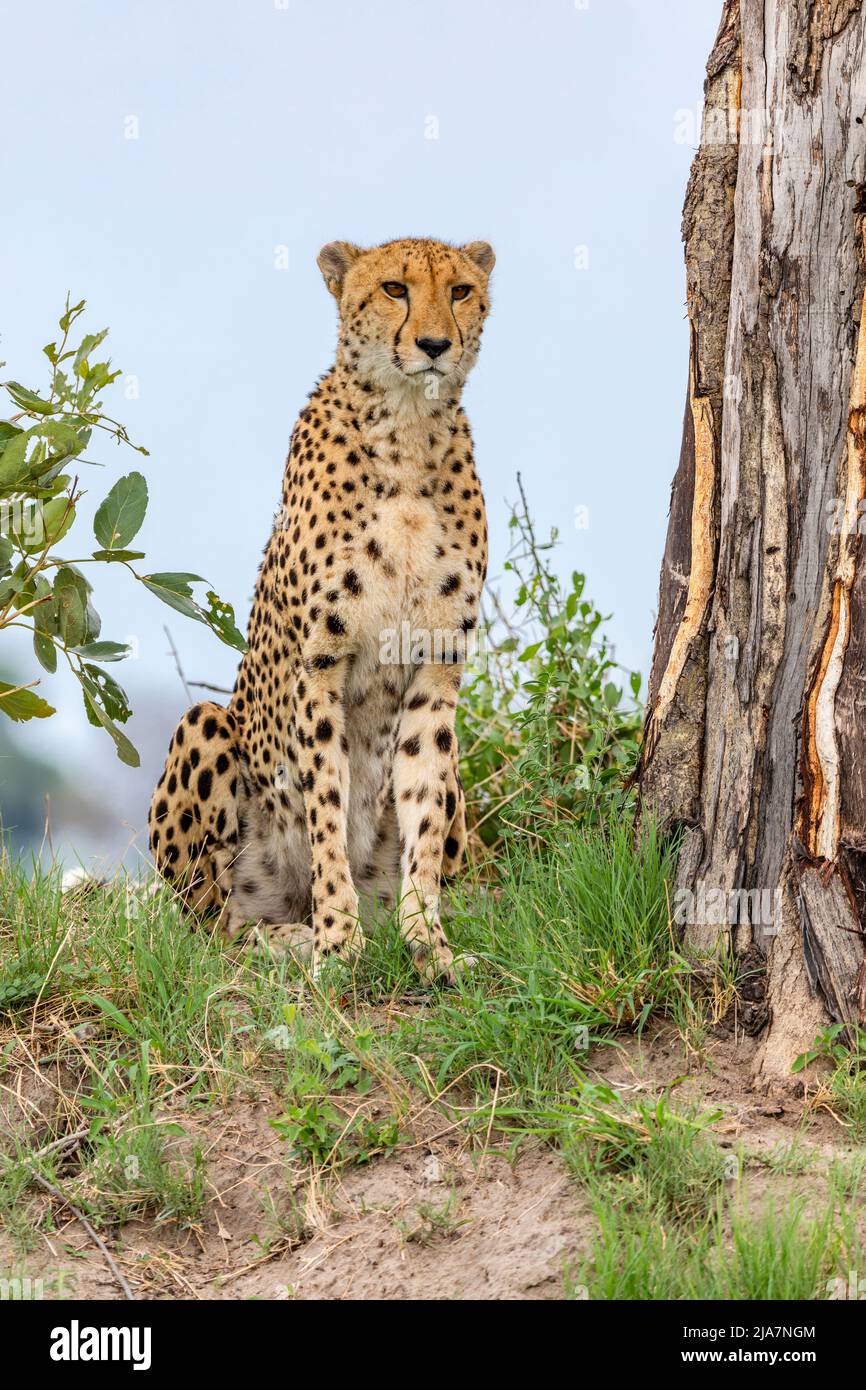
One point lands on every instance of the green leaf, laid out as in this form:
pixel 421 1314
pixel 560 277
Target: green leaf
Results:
pixel 40 452
pixel 104 651
pixel 119 517
pixel 21 705
pixel 88 343
pixel 92 623
pixel 172 1128
pixel 175 590
pixel 28 400
pixel 70 593
pixel 221 618
pixel 13 461
pixel 111 1012
pixel 612 695
pixel 172 587
pixel 44 614
pixel 7 431
pixel 46 488
pixel 126 751
pixel 46 652
pixel 104 688
pixel 48 524
pixel 113 556
pixel 72 314
pixel 9 587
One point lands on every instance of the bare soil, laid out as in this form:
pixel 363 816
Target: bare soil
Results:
pixel 439 1217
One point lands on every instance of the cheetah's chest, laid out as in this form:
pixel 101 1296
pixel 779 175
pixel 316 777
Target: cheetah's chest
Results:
pixel 398 578
pixel 410 536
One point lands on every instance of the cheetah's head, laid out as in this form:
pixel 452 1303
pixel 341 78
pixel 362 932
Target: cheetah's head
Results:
pixel 411 312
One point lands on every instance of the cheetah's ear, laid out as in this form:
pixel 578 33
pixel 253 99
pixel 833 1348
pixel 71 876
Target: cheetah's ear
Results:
pixel 481 253
pixel 333 261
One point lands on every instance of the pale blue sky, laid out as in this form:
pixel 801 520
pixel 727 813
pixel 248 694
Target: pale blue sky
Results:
pixel 262 126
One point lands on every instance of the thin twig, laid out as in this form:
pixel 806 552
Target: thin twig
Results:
pixel 97 1240
pixel 177 663
pixel 206 685
pixel 67 1141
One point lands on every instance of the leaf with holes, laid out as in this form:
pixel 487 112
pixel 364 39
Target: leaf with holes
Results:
pixel 220 617
pixel 102 698
pixel 175 589
pixel 110 695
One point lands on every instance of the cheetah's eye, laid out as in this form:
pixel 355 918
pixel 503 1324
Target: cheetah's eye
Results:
pixel 394 289
pixel 461 291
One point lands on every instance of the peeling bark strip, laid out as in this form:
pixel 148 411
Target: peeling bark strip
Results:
pixel 822 780
pixel 677 557
pixel 756 716
pixel 820 759
pixel 702 556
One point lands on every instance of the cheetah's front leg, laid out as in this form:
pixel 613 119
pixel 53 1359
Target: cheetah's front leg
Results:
pixel 422 778
pixel 323 760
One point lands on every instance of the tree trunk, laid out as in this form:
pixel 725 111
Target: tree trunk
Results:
pixel 755 738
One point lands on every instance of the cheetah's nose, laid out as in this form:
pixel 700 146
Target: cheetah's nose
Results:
pixel 434 347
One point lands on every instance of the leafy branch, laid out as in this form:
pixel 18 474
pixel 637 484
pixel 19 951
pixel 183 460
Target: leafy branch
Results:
pixel 41 445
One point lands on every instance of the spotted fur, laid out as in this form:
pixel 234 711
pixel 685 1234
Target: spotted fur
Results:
pixel 332 775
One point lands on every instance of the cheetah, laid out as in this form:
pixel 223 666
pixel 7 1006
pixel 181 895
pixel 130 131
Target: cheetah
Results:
pixel 330 780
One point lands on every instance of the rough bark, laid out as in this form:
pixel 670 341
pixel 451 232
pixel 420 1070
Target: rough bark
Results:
pixel 757 705
pixel 677 691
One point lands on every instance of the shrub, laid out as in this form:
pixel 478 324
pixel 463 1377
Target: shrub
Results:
pixel 41 591
pixel 547 732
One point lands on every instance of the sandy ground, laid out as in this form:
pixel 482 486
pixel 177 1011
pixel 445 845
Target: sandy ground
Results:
pixel 437 1218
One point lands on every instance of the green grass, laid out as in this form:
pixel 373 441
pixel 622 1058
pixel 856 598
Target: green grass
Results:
pixel 734 1255
pixel 571 949
pixel 662 1158
pixel 841 1090
pixel 160 1025
pixel 671 1225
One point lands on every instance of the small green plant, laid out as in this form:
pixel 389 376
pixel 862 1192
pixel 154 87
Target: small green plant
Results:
pixel 48 594
pixel 141 1171
pixel 317 1133
pixel 312 1131
pixel 19 1209
pixel 831 1045
pixel 433 1221
pixel 843 1089
pixel 791 1159
pixel 315 1061
pixel 320 1070
pixel 285 1225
